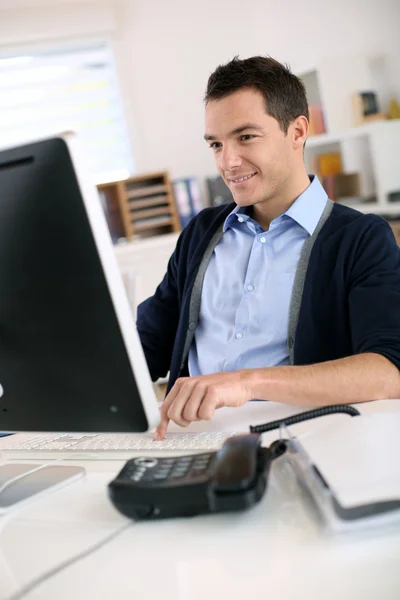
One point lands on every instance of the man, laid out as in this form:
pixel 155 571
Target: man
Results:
pixel 282 295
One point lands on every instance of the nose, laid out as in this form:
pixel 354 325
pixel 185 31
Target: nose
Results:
pixel 229 158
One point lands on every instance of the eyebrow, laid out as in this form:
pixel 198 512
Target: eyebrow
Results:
pixel 236 131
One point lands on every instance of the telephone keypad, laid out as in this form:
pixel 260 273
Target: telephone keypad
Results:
pixel 160 470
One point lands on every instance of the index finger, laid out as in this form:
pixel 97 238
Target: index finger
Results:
pixel 163 425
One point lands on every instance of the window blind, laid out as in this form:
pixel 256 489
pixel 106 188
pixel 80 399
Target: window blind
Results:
pixel 45 93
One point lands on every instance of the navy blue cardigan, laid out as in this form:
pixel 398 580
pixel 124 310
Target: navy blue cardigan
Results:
pixel 350 302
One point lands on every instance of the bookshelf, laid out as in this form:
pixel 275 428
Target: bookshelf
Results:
pixel 372 152
pixel 369 152
pixel 145 204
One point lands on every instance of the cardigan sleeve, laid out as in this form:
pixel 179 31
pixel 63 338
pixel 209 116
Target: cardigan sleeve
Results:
pixel 374 294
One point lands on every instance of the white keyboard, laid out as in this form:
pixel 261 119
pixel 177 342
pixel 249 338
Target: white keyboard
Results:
pixel 115 445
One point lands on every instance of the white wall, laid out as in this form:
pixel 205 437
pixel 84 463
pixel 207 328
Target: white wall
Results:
pixel 29 22
pixel 166 49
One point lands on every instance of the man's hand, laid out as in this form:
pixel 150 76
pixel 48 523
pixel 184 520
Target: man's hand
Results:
pixel 196 398
pixel 358 378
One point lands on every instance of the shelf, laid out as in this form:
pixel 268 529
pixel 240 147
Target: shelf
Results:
pixel 146 191
pixel 152 224
pixel 372 152
pixel 154 212
pixel 327 139
pixel 391 210
pixel 333 82
pixel 146 204
pixel 369 151
pixel 156 201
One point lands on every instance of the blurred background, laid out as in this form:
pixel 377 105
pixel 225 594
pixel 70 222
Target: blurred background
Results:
pixel 129 76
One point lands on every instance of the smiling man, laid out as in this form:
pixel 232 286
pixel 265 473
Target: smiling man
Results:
pixel 282 295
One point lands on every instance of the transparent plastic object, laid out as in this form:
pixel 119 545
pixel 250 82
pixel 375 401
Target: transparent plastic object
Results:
pixel 329 512
pixel 128 275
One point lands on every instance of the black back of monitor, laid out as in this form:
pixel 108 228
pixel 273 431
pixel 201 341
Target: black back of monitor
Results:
pixel 63 362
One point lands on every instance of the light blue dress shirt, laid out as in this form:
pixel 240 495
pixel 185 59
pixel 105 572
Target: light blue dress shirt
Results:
pixel 247 288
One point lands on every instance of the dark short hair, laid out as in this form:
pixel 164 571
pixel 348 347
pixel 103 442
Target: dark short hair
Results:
pixel 284 93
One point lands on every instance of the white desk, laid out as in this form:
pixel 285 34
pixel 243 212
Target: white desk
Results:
pixel 275 550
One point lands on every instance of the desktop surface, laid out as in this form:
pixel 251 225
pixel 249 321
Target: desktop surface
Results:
pixel 276 549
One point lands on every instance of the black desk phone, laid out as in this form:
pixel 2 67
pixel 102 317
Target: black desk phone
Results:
pixel 234 478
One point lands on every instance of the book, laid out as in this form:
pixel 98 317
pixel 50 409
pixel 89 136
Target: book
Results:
pixel 317 123
pixel 195 195
pixel 329 164
pixel 188 198
pixel 182 201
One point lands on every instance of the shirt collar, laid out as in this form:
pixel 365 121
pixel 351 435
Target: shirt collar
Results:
pixel 232 218
pixel 306 210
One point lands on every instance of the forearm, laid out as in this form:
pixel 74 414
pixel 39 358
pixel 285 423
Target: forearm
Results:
pixel 357 378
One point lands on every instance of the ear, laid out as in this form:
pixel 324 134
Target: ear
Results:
pixel 299 132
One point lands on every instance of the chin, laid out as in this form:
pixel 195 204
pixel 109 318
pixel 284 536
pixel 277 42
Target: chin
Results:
pixel 244 201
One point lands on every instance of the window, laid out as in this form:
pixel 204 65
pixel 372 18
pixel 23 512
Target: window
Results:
pixel 44 93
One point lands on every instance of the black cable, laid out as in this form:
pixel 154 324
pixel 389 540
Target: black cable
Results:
pixel 305 416
pixel 277 448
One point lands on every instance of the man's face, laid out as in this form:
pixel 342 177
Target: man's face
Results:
pixel 252 154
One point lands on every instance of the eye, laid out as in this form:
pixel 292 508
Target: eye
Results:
pixel 215 145
pixel 246 137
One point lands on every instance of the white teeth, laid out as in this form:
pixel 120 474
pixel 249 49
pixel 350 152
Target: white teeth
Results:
pixel 242 179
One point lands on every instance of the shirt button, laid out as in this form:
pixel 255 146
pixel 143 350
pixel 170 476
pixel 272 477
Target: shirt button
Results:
pixel 192 326
pixel 240 219
pixel 239 336
pixel 250 288
pixel 263 240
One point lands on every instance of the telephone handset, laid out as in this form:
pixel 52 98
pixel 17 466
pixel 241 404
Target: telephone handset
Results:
pixel 234 478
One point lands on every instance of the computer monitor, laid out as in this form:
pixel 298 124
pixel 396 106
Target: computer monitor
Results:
pixel 70 355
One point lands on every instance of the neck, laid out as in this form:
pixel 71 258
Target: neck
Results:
pixel 269 209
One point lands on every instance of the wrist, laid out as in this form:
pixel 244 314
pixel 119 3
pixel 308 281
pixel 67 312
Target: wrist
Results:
pixel 257 383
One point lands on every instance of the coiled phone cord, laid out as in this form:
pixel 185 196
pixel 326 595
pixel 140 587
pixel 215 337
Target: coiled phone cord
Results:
pixel 278 447
pixel 305 416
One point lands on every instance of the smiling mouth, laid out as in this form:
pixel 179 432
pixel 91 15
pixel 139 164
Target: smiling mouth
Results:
pixel 242 179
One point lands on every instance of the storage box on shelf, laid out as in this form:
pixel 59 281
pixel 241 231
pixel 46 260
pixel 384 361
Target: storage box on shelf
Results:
pixel 146 204
pixel 368 152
